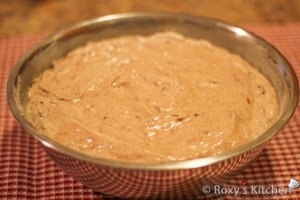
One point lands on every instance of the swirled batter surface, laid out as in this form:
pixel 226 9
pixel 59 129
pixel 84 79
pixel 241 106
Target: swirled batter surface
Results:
pixel 158 98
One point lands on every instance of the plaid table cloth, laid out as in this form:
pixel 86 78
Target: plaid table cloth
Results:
pixel 26 172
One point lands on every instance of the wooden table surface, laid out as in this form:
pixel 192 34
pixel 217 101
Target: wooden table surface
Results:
pixel 23 17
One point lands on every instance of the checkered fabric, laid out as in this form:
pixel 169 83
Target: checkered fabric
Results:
pixel 26 172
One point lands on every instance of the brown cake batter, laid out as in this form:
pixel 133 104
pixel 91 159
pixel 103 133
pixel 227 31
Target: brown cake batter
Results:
pixel 152 99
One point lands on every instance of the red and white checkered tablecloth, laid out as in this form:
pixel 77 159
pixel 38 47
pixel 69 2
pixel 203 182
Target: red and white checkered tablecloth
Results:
pixel 26 172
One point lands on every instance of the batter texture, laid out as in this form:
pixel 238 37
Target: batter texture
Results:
pixel 158 98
